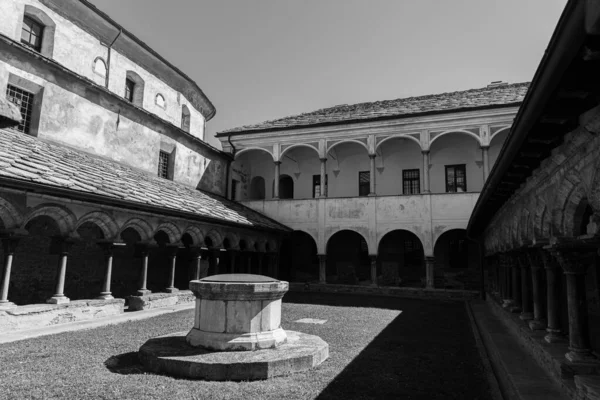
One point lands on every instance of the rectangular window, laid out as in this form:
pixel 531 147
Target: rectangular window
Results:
pixel 31 35
pixel 456 178
pixel 317 186
pixel 234 188
pixel 23 100
pixel 163 164
pixel 129 87
pixel 411 181
pixel 364 183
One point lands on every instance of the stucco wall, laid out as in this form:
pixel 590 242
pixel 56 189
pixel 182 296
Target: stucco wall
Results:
pixel 76 50
pixel 427 216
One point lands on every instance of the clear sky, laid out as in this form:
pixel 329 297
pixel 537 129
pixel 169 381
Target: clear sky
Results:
pixel 264 59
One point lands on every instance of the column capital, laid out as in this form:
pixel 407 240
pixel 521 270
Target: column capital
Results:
pixel 425 152
pixel 484 146
pixel 373 257
pixel 372 156
pixel 61 244
pixel 322 257
pixel 323 159
pixel 109 245
pixel 277 162
pixel 573 260
pixel 10 239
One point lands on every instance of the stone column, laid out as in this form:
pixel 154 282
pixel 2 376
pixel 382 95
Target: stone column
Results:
pixel 63 245
pixel 515 284
pixel 195 262
pixel 205 255
pixel 554 334
pixel 373 270
pixel 260 262
pixel 527 311
pixel 172 252
pixel 539 310
pixel 323 177
pixel 486 162
pixel 107 247
pixel 216 261
pixel 426 171
pixel 372 175
pixel 574 259
pixel 144 251
pixel 276 180
pixel 9 243
pixel 430 272
pixel 322 268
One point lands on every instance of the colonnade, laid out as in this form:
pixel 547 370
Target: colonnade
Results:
pixel 372 174
pixel 202 260
pixel 517 278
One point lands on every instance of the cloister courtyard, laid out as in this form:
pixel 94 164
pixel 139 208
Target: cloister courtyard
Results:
pixel 379 347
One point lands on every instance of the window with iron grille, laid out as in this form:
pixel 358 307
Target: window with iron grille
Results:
pixel 31 35
pixel 411 182
pixel 23 100
pixel 163 165
pixel 318 190
pixel 364 183
pixel 129 88
pixel 456 178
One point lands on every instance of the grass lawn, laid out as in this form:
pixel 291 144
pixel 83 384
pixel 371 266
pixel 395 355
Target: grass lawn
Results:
pixel 379 348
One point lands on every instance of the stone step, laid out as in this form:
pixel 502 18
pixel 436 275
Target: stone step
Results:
pixel 518 375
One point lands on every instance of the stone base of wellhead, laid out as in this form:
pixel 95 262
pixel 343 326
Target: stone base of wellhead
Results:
pixel 172 355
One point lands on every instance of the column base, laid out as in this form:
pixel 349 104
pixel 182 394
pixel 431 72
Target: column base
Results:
pixel 526 316
pixel 143 292
pixel 105 296
pixel 7 305
pixel 537 324
pixel 171 290
pixel 58 300
pixel 554 336
pixel 581 356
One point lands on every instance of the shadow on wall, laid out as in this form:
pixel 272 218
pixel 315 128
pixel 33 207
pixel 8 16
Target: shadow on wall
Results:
pixel 214 177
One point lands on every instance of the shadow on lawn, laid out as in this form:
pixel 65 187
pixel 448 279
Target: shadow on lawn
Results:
pixel 125 364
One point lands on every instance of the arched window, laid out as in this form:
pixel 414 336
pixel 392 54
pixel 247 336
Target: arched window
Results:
pixel 134 88
pixel 37 31
pixel 159 100
pixel 99 67
pixel 185 118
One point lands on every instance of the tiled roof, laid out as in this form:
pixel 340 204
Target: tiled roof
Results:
pixel 30 159
pixel 500 95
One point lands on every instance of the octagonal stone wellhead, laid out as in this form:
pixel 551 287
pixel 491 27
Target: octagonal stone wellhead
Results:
pixel 237 312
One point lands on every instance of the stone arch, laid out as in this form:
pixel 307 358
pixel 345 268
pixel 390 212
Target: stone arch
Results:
pixel 400 136
pixel 474 136
pixel 64 218
pixel 233 239
pixel 329 148
pixel 400 258
pixel 507 127
pixel 438 233
pixel 9 215
pixel 171 230
pixel 39 16
pixel 142 227
pixel 569 216
pixel 247 149
pixel 99 67
pixel 569 192
pixel 273 245
pixel 215 239
pixel 453 250
pixel 372 249
pixel 195 233
pixel 105 222
pixel 348 257
pixel 299 145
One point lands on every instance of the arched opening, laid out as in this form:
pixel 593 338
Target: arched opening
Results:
pixel 496 145
pixel 399 167
pixel 247 165
pixel 582 218
pixel 348 258
pixel 303 165
pixel 134 88
pixel 456 164
pixel 350 170
pixel 286 187
pixel 456 261
pixel 158 263
pixel 87 263
pixel 400 260
pixel 257 188
pixel 36 259
pixel 298 258
pixel 185 118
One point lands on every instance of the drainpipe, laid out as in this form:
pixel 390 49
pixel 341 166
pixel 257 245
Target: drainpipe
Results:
pixel 108 58
pixel 229 166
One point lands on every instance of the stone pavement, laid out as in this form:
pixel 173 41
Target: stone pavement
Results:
pixel 518 375
pixel 95 323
